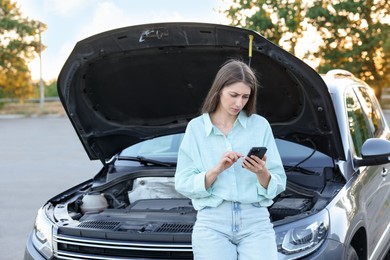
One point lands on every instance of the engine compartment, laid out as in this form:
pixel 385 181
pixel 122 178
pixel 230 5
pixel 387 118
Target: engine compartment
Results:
pixel 143 207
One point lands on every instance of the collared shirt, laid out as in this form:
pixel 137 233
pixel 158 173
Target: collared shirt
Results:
pixel 203 146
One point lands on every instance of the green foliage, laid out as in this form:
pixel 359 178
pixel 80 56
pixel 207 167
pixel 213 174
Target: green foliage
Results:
pixel 355 37
pixel 280 21
pixel 19 43
pixel 354 33
pixel 51 89
pixel 2 95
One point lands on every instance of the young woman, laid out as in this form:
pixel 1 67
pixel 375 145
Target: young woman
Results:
pixel 230 191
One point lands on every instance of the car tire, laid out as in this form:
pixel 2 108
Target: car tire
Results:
pixel 351 253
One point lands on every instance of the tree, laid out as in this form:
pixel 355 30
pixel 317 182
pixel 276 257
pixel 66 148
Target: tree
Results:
pixel 51 89
pixel 354 32
pixel 19 43
pixel 280 21
pixel 355 37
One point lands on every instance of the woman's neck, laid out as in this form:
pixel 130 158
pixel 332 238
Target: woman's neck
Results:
pixel 223 121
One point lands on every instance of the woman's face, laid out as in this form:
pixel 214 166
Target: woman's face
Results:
pixel 233 98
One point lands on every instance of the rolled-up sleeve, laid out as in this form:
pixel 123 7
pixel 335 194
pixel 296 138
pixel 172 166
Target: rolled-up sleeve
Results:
pixel 274 165
pixel 189 178
pixel 277 184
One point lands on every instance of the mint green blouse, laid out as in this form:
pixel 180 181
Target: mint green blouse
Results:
pixel 201 149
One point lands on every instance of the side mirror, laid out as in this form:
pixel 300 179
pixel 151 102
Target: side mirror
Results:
pixel 375 151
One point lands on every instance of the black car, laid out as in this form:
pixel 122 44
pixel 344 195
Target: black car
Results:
pixel 130 93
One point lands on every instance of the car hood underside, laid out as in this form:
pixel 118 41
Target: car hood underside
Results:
pixel 135 83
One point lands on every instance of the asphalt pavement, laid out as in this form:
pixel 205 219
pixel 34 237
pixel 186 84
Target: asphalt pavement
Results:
pixel 39 158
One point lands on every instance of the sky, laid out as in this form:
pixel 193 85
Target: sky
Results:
pixel 69 21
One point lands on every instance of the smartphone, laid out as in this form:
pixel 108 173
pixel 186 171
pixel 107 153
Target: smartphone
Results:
pixel 258 151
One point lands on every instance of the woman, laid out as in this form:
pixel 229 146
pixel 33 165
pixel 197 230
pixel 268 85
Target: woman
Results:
pixel 230 191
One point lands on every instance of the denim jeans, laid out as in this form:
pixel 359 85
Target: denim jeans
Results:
pixel 234 231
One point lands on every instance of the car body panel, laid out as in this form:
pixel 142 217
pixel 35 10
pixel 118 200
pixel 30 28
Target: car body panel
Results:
pixel 365 204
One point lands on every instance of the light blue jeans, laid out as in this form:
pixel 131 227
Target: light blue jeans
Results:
pixel 234 231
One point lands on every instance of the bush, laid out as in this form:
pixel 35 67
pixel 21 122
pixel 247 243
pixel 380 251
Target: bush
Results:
pixel 51 89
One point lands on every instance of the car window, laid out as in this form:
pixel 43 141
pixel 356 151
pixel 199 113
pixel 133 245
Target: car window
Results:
pixel 372 111
pixel 358 127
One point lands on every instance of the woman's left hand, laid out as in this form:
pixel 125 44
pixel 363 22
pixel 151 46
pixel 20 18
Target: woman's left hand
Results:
pixel 255 164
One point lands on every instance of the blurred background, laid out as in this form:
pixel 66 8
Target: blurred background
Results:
pixel 36 36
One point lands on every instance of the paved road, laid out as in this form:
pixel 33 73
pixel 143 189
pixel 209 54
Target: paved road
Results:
pixel 39 158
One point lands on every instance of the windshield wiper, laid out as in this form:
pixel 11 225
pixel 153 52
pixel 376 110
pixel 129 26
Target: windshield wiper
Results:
pixel 300 170
pixel 146 161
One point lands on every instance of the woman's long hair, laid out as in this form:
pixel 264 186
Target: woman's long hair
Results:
pixel 231 72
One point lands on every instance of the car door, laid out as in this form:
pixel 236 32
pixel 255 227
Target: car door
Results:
pixel 367 121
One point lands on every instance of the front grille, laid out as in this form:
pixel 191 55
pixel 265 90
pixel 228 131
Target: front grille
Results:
pixel 85 243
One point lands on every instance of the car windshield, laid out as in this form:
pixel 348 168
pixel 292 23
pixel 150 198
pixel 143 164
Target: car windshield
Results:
pixel 165 149
pixel 161 149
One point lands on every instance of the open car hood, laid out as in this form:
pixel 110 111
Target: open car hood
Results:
pixel 131 84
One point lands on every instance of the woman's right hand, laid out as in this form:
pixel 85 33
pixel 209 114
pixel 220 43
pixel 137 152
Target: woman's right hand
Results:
pixel 226 161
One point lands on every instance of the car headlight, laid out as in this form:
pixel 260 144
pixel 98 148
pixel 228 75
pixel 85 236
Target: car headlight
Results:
pixel 42 237
pixel 304 238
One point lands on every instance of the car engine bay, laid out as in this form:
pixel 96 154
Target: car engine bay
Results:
pixel 141 207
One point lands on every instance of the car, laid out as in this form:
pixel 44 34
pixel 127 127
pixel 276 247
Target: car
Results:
pixel 130 93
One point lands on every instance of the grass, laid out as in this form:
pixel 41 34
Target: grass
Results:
pixel 32 109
